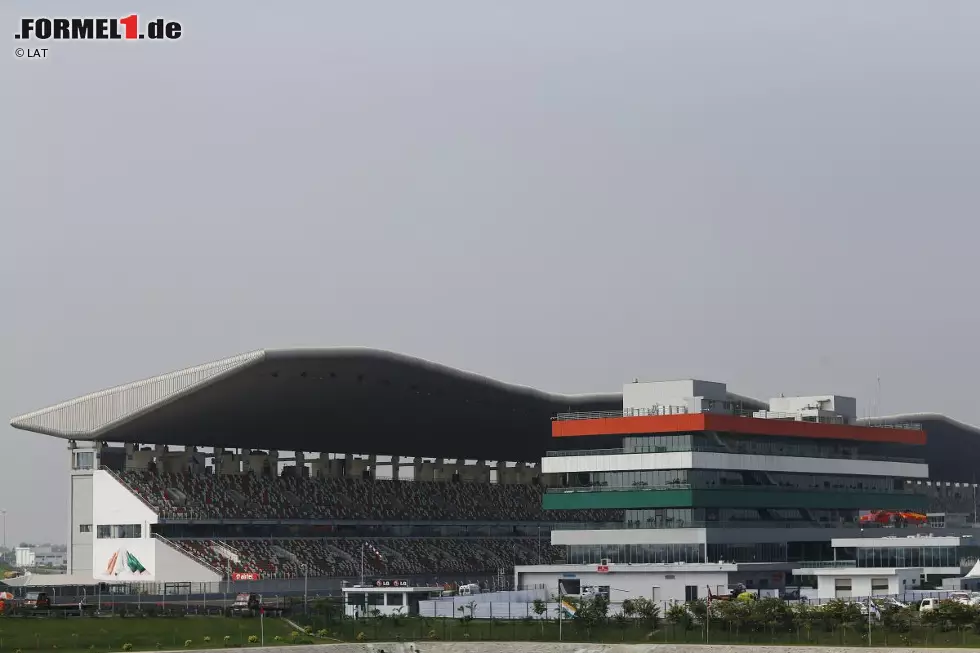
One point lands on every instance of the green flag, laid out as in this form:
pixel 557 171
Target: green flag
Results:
pixel 134 564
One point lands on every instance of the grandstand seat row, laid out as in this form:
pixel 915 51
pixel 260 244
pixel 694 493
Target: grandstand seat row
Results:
pixel 208 496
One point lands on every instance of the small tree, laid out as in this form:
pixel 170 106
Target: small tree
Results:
pixel 842 613
pixel 678 615
pixel 804 617
pixel 648 611
pixel 592 612
pixel 539 608
pixel 772 614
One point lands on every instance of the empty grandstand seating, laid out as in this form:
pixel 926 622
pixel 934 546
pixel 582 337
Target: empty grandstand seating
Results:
pixel 246 496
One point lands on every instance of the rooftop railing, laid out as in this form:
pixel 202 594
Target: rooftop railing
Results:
pixel 660 410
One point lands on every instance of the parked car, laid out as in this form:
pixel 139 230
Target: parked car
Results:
pixel 37 601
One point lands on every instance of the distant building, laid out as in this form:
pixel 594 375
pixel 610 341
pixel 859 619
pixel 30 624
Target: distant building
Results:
pixel 28 557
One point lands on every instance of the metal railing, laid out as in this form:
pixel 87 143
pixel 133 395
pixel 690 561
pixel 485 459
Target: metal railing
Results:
pixel 782 452
pixel 834 564
pixel 637 488
pixel 660 410
pixel 680 523
pixel 910 490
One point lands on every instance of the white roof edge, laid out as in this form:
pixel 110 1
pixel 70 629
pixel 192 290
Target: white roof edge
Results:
pixel 917 417
pixel 92 414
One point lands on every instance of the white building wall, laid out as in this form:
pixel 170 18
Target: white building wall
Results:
pixel 616 536
pixel 662 583
pixel 24 556
pixel 173 566
pixel 893 542
pixel 115 505
pixel 727 461
pixel 844 406
pixel 82 531
pixel 641 396
pixel 899 580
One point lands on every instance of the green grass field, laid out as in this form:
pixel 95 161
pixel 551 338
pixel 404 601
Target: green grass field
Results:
pixel 102 635
pixel 420 629
pixel 110 634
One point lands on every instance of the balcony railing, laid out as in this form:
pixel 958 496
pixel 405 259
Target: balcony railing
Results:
pixel 833 564
pixel 794 453
pixel 910 490
pixel 737 412
pixel 680 523
pixel 638 488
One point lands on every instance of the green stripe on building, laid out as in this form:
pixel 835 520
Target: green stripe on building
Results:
pixel 733 498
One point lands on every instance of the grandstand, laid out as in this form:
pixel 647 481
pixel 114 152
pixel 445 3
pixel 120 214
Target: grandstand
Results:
pixel 293 463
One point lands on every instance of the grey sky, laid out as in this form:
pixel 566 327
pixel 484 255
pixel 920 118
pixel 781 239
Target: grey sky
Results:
pixel 778 195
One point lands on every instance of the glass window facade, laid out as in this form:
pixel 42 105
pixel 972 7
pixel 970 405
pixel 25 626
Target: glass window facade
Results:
pixel 587 554
pixel 769 446
pixel 910 556
pixel 713 479
pixel 118 531
pixel 751 552
pixel 659 443
pixel 708 517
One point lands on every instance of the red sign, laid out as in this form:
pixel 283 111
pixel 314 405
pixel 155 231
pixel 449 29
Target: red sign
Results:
pixel 244 575
pixel 602 569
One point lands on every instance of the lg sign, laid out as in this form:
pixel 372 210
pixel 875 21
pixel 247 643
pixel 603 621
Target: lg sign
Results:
pixel 84 29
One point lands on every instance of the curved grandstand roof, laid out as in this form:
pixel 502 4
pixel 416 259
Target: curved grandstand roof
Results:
pixel 361 400
pixel 336 399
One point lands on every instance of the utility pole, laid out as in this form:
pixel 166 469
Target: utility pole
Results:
pixel 561 609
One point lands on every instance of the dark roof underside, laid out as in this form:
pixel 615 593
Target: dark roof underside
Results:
pixel 356 400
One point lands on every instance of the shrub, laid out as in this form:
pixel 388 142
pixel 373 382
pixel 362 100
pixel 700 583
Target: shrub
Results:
pixel 227 640
pixel 127 647
pixel 187 643
pixel 277 638
pixel 207 639
pixel 323 633
pixel 252 639
pixel 361 636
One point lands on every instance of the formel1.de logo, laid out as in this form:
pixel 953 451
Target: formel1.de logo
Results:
pixel 98 29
